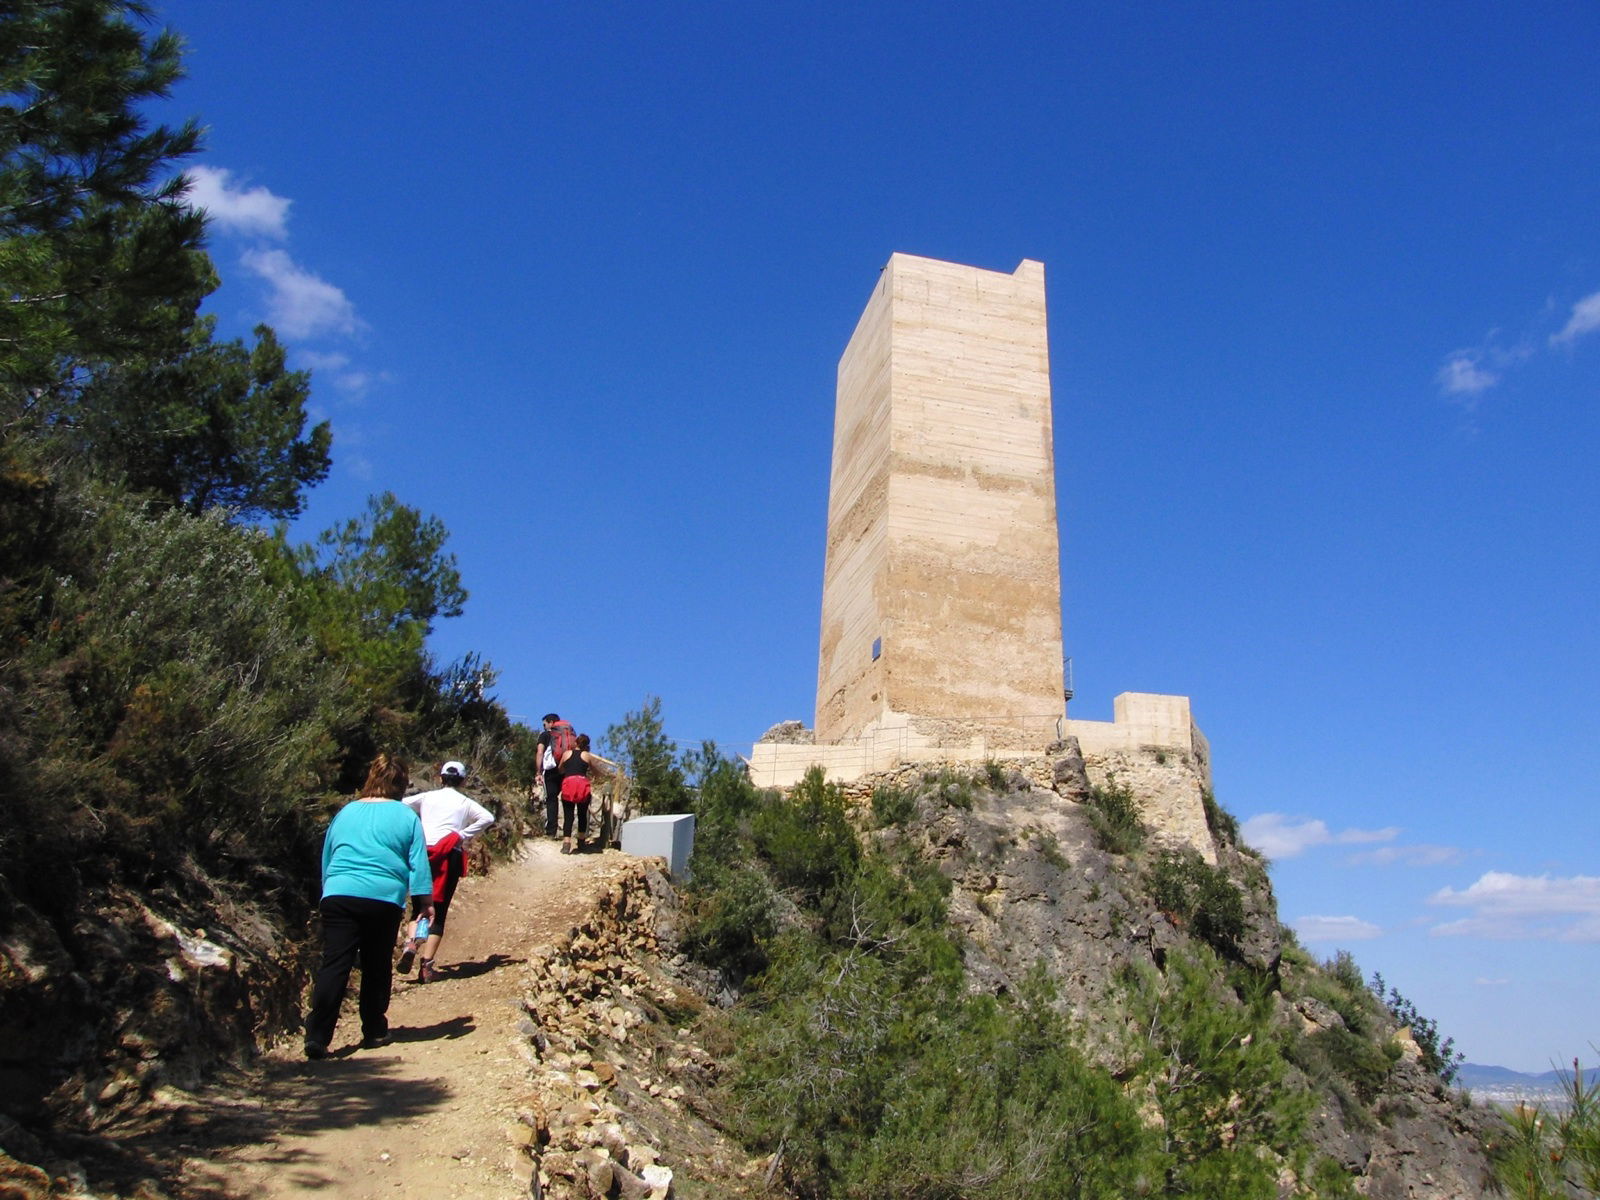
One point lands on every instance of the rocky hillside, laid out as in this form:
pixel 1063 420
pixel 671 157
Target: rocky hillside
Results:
pixel 649 1069
pixel 146 988
pixel 1034 883
pixel 1252 1069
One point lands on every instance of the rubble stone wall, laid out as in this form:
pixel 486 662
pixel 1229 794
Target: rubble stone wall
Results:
pixel 608 1113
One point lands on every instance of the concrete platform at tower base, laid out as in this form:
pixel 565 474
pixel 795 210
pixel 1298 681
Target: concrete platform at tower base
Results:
pixel 1140 721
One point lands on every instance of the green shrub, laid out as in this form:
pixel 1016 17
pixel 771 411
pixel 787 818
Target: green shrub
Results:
pixel 723 800
pixel 875 1088
pixel 1213 1062
pixel 1198 897
pixel 1293 954
pixel 1222 823
pixel 949 786
pixel 1330 1181
pixel 172 703
pixel 1338 984
pixel 892 806
pixel 641 745
pixel 1552 1154
pixel 1050 849
pixel 1343 970
pixel 894 898
pixel 1115 815
pixel 1440 1057
pixel 806 838
pixel 994 775
pixel 1360 1061
pixel 733 918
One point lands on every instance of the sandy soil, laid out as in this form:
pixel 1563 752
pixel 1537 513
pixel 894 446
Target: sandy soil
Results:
pixel 431 1115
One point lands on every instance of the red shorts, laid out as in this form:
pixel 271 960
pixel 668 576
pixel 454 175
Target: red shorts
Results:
pixel 575 789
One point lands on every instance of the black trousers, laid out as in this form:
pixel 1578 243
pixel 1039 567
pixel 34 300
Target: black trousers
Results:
pixel 568 808
pixel 552 799
pixel 354 927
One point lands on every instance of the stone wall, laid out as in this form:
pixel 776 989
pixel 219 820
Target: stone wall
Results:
pixel 1152 744
pixel 1153 748
pixel 614 1087
pixel 1167 786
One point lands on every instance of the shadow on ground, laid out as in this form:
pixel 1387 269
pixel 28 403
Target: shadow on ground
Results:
pixel 455 1027
pixel 467 970
pixel 259 1108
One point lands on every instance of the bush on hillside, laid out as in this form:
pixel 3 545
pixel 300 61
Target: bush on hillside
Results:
pixel 860 1059
pixel 892 805
pixel 1198 897
pixel 1115 815
pixel 869 1087
pixel 1224 826
pixel 1214 1061
pixel 1554 1153
pixel 806 840
pixel 1354 1064
pixel 732 920
pixel 168 699
pixel 639 743
pixel 1439 1056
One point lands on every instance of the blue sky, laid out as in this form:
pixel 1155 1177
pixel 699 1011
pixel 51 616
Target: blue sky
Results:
pixel 1324 287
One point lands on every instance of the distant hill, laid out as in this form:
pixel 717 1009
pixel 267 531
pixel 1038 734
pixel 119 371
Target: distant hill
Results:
pixel 1478 1075
pixel 1503 1085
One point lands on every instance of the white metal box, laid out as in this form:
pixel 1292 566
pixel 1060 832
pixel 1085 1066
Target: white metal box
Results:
pixel 670 837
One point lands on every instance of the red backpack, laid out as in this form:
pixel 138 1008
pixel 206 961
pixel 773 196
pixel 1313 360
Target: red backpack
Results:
pixel 562 739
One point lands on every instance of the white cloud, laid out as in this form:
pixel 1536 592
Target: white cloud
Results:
pixel 1336 929
pixel 1420 855
pixel 301 304
pixel 336 368
pixel 353 383
pixel 1462 376
pixel 1585 319
pixel 237 209
pixel 1536 907
pixel 1467 374
pixel 320 360
pixel 1279 836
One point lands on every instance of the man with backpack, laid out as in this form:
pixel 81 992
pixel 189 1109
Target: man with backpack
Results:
pixel 555 740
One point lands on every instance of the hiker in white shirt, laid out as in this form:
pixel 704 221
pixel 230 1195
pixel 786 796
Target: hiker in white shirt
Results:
pixel 450 819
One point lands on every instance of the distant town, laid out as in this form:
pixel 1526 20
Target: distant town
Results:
pixel 1506 1088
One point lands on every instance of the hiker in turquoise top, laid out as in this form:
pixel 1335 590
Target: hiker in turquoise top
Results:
pixel 373 857
pixel 376 851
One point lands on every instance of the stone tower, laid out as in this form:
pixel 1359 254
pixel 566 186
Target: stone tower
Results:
pixel 941 595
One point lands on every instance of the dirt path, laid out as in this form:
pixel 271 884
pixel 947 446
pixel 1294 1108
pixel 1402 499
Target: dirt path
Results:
pixel 429 1116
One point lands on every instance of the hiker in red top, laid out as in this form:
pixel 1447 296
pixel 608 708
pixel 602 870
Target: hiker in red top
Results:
pixel 576 791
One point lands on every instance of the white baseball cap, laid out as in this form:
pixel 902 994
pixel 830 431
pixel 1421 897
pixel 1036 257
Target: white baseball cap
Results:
pixel 453 768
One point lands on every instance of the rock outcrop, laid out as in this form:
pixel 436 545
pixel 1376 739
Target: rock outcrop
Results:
pixel 141 993
pixel 623 1090
pixel 789 733
pixel 1032 886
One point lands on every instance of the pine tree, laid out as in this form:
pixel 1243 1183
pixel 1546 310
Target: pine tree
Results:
pixel 99 255
pixel 219 425
pixel 103 355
